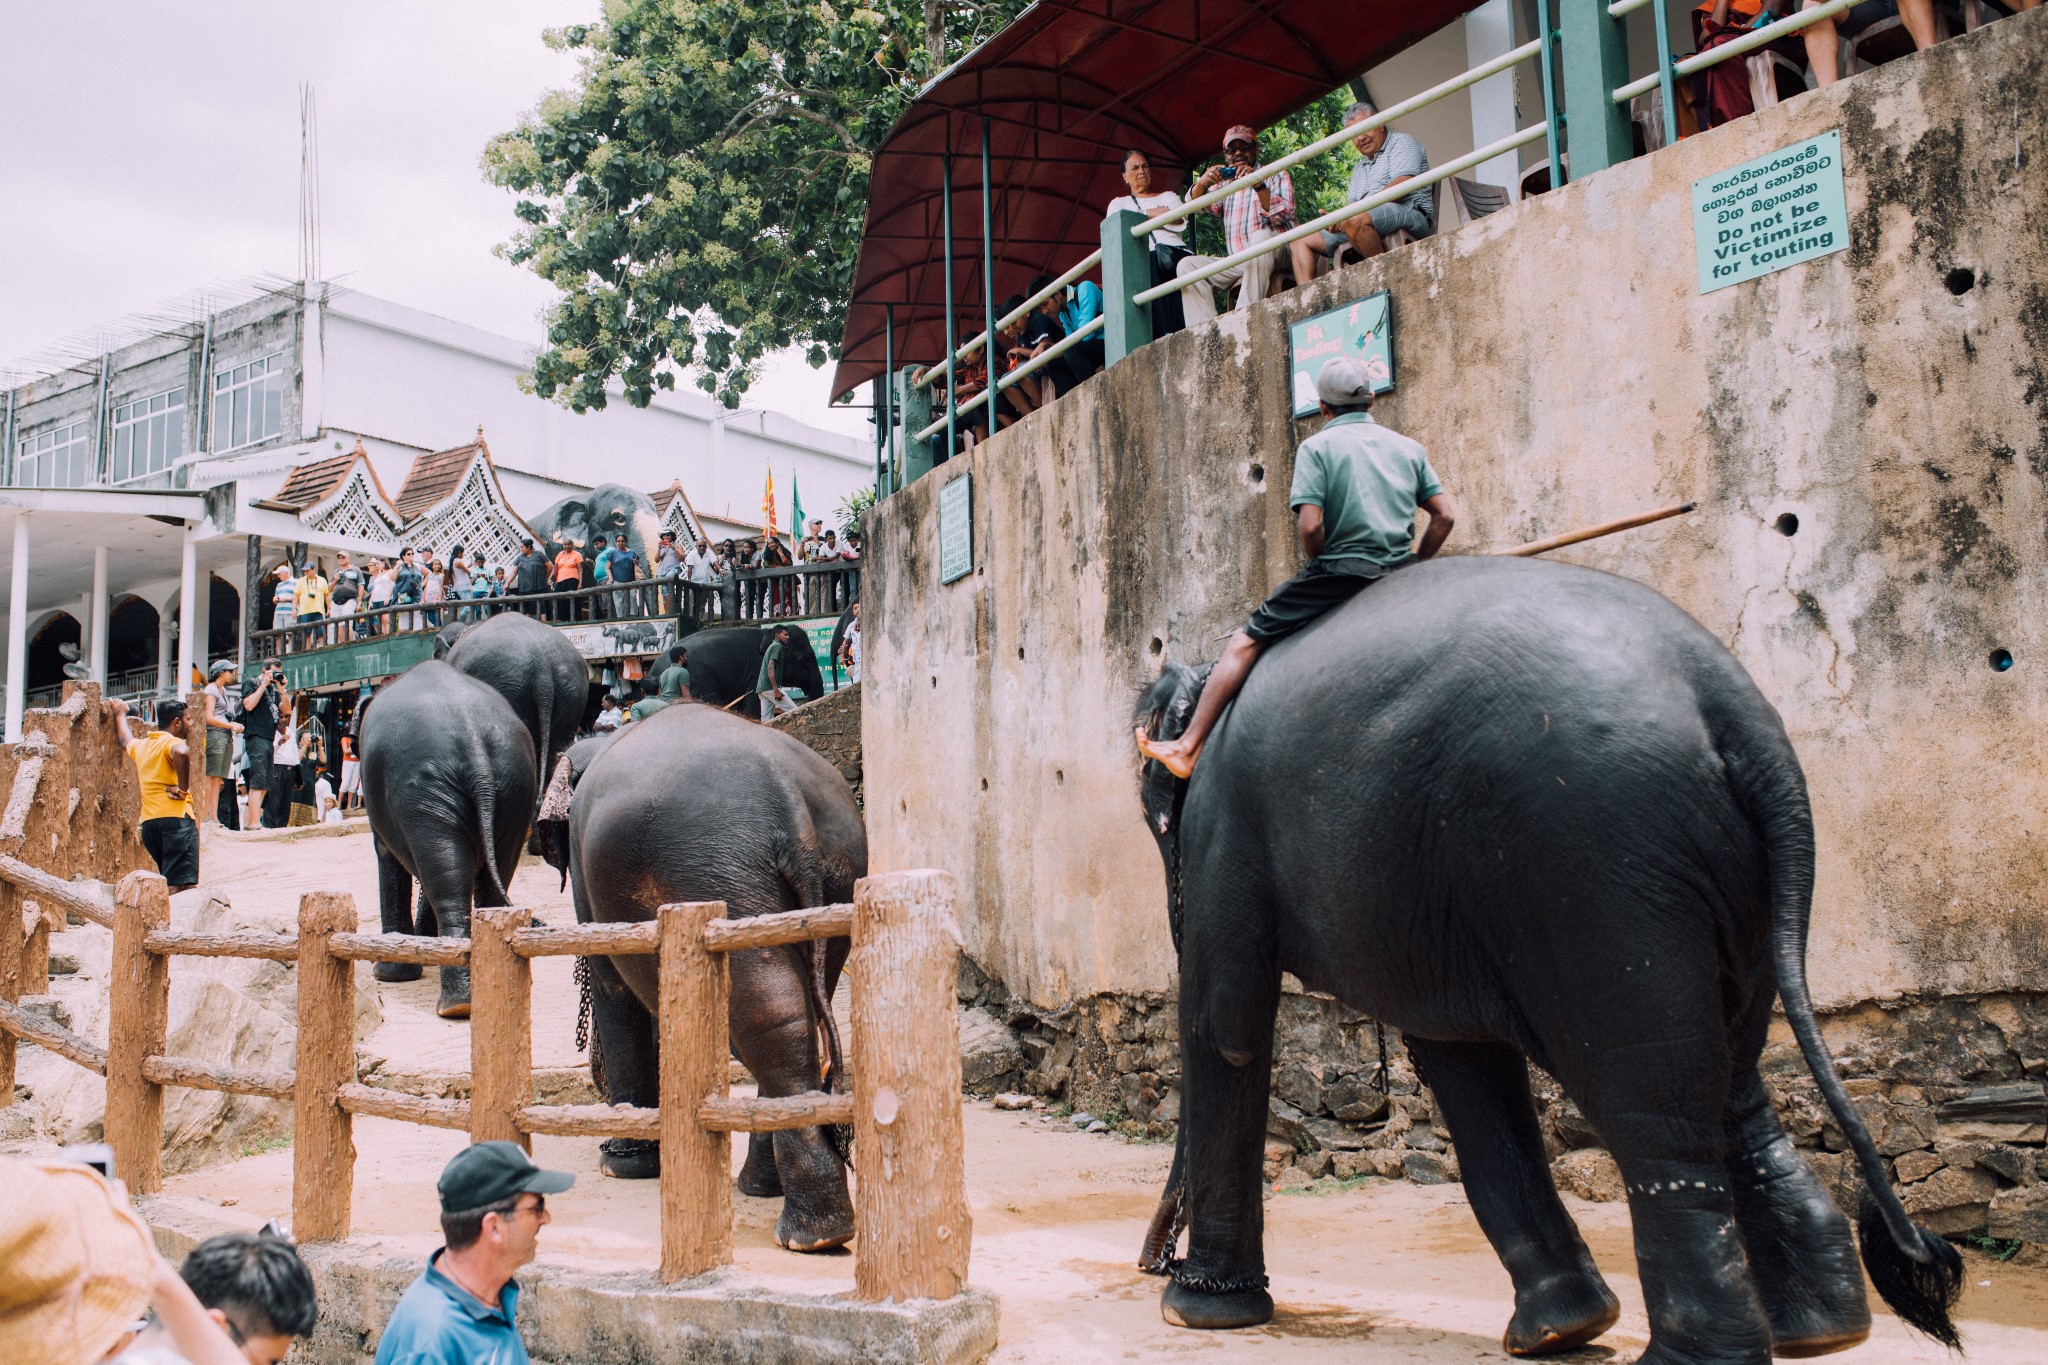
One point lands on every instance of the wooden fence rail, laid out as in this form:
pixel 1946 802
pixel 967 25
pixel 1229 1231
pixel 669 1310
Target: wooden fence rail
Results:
pixel 912 1227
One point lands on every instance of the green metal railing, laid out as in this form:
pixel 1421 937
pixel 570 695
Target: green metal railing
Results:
pixel 1700 61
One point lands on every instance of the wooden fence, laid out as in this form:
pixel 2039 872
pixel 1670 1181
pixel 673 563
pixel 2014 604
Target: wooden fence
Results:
pixel 912 1228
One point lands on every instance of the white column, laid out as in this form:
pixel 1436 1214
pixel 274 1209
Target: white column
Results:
pixel 1490 32
pixel 17 629
pixel 96 651
pixel 163 652
pixel 188 612
pixel 313 364
pixel 202 621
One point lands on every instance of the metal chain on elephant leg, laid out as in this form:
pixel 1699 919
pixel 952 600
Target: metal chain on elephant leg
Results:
pixel 1380 1032
pixel 585 1040
pixel 1210 1284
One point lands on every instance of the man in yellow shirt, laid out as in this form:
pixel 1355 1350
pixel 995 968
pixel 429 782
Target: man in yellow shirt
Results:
pixel 164 762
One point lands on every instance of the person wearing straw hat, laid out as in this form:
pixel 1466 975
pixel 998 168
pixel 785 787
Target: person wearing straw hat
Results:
pixel 1356 489
pixel 463 1309
pixel 77 1271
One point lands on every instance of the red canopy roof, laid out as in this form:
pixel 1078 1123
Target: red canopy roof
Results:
pixel 1068 89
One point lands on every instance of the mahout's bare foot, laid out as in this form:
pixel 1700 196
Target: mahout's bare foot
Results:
pixel 1172 754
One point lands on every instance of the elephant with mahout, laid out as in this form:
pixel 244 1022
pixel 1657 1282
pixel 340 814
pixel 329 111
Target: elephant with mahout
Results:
pixel 1524 812
pixel 725 663
pixel 693 804
pixel 449 785
pixel 532 666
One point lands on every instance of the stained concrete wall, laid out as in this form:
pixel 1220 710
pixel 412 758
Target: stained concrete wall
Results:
pixel 1562 367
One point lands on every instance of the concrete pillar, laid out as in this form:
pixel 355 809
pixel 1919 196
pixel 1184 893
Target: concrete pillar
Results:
pixel 1490 33
pixel 202 622
pixel 1594 51
pixel 1126 269
pixel 253 601
pixel 313 362
pixel 188 612
pixel 17 629
pixel 163 652
pixel 97 623
pixel 916 405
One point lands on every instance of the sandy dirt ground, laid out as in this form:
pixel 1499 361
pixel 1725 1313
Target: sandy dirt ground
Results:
pixel 1383 1272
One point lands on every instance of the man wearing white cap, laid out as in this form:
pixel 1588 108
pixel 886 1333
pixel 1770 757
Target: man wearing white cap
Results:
pixel 1356 488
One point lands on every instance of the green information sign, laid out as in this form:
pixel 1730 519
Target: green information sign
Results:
pixel 378 657
pixel 1770 213
pixel 1363 330
pixel 956 529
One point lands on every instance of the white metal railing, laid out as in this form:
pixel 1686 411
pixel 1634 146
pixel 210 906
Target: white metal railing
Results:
pixel 1259 174
pixel 1351 210
pixel 1022 310
pixel 1037 362
pixel 1755 38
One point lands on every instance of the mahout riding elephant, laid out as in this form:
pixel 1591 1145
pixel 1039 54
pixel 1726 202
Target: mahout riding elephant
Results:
pixel 725 663
pixel 1524 810
pixel 535 668
pixel 449 786
pixel 610 510
pixel 692 804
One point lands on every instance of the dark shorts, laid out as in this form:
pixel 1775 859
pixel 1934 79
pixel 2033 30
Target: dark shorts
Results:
pixel 174 842
pixel 258 774
pixel 220 752
pixel 1311 594
pixel 1856 18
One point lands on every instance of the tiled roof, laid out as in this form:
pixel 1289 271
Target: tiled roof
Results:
pixel 663 497
pixel 311 483
pixel 435 476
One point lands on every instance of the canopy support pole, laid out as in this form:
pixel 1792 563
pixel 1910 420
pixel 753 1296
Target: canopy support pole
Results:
pixel 988 276
pixel 885 481
pixel 1126 270
pixel 1595 56
pixel 952 323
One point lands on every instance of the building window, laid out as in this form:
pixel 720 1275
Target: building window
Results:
pixel 248 403
pixel 58 458
pixel 149 435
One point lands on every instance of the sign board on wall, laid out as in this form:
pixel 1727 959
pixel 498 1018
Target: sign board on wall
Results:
pixel 956 529
pixel 620 639
pixel 1783 208
pixel 1363 330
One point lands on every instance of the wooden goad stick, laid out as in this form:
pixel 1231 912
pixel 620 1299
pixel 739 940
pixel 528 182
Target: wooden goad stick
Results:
pixel 1605 528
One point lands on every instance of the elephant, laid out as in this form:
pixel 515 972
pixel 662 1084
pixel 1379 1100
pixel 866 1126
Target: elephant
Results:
pixel 535 668
pixel 449 786
pixel 1524 812
pixel 693 804
pixel 609 510
pixel 725 663
pixel 551 830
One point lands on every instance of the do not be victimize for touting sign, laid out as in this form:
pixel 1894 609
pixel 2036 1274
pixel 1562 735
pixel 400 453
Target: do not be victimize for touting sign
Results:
pixel 1781 209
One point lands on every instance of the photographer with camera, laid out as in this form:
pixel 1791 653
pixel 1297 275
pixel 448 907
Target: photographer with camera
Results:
pixel 1250 216
pixel 265 703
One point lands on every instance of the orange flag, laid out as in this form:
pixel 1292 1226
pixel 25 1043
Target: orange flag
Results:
pixel 768 502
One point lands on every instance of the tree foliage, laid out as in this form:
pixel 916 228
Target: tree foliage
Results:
pixel 698 196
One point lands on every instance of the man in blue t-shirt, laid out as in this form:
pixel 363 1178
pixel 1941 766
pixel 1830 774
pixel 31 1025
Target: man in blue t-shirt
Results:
pixel 1356 489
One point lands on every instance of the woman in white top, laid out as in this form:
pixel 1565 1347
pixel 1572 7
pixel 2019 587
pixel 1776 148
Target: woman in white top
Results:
pixel 1168 246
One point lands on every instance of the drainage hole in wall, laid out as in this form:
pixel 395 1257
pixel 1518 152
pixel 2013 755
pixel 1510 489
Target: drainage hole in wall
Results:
pixel 984 784
pixel 1020 651
pixel 1158 646
pixel 2001 660
pixel 935 682
pixel 1258 473
pixel 1059 774
pixel 1787 524
pixel 1961 280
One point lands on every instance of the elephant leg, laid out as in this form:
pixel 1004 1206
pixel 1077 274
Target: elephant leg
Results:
pixel 759 1177
pixel 1800 1249
pixel 450 887
pixel 775 1035
pixel 394 910
pixel 1483 1090
pixel 1658 1097
pixel 1230 988
pixel 624 1036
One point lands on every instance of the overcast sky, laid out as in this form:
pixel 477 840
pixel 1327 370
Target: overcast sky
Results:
pixel 148 149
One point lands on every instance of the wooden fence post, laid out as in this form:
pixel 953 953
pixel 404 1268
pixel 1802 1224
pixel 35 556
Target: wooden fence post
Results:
pixel 10 980
pixel 323 1148
pixel 35 950
pixel 912 1228
pixel 500 1027
pixel 696 1165
pixel 138 1022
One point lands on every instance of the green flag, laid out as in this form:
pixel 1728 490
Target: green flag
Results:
pixel 797 529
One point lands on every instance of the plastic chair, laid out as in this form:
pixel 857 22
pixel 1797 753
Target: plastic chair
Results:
pixel 1768 73
pixel 1478 200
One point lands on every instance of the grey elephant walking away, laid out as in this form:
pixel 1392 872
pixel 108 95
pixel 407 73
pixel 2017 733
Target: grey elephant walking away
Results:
pixel 536 669
pixel 449 785
pixel 1525 812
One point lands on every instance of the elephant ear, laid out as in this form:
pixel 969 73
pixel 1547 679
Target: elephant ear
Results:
pixel 1163 713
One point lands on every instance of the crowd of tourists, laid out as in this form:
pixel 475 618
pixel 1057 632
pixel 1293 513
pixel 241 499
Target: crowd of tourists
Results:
pixel 83 1283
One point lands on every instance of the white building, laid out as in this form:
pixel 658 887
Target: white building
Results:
pixel 144 481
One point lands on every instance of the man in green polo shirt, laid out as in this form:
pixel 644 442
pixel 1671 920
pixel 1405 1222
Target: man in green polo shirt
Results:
pixel 774 701
pixel 1356 488
pixel 675 679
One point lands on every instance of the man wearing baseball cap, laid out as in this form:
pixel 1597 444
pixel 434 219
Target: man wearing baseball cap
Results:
pixel 1356 488
pixel 1249 216
pixel 465 1307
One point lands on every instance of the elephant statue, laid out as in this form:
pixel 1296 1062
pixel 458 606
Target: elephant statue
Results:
pixel 609 510
pixel 535 668
pixel 1524 812
pixel 692 804
pixel 725 663
pixel 449 785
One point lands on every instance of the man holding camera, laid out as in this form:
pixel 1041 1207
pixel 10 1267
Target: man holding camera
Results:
pixel 1249 216
pixel 265 703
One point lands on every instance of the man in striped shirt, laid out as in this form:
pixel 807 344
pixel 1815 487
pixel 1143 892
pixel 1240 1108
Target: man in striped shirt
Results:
pixel 1251 215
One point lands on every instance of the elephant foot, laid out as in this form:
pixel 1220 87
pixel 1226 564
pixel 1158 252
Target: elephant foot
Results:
pixel 629 1158
pixel 397 971
pixel 1185 1307
pixel 758 1177
pixel 1559 1314
pixel 798 1232
pixel 454 1001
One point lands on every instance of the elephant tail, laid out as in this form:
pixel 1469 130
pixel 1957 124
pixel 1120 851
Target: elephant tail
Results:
pixel 1916 1272
pixel 486 834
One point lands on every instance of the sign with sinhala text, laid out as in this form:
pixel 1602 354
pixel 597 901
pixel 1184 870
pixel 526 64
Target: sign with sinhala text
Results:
pixel 956 529
pixel 1770 213
pixel 1363 330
